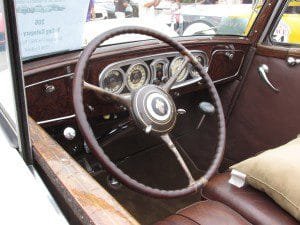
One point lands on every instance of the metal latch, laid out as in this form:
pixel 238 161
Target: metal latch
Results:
pixel 291 61
pixel 262 71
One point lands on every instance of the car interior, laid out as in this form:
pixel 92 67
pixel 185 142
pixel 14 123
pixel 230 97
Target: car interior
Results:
pixel 111 123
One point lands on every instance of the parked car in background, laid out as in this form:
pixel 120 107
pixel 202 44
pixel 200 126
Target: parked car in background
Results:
pixel 285 31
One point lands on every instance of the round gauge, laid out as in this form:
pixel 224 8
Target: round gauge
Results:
pixel 201 60
pixel 159 70
pixel 113 81
pixel 137 76
pixel 175 65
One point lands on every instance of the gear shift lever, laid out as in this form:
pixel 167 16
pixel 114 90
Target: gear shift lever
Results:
pixel 206 109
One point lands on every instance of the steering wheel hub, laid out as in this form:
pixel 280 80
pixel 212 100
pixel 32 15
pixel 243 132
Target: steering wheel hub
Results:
pixel 152 106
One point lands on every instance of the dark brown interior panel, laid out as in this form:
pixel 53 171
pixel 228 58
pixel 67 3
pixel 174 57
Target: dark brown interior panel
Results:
pixel 47 105
pixel 225 63
pixel 263 119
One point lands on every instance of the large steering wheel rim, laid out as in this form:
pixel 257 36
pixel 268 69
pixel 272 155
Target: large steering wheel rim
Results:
pixel 86 130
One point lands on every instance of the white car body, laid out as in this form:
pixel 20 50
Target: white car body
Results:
pixel 91 29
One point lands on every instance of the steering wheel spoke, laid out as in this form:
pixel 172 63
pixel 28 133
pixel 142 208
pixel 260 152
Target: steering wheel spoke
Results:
pixel 122 99
pixel 167 139
pixel 167 86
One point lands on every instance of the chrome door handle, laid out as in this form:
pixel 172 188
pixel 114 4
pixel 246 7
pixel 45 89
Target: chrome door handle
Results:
pixel 262 71
pixel 291 61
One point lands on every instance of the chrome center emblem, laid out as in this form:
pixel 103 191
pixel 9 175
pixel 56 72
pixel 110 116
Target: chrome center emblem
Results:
pixel 158 106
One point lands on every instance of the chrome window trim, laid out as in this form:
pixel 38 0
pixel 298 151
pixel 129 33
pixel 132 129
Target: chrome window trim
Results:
pixel 275 25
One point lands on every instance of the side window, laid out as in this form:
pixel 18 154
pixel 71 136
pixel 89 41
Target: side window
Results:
pixel 287 30
pixel 7 98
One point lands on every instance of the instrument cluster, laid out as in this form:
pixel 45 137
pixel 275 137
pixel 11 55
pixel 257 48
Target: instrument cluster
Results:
pixel 130 75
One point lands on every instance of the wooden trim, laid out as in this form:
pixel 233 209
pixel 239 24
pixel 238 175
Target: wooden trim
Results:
pixel 53 62
pixel 279 52
pixel 262 20
pixel 90 202
pixel 294 52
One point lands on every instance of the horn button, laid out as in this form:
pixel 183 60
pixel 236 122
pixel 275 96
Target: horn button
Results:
pixel 152 106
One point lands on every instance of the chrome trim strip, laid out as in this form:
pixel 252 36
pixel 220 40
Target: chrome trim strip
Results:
pixel 9 127
pixel 56 119
pixel 129 62
pixel 239 69
pixel 186 83
pixel 49 80
pixel 269 30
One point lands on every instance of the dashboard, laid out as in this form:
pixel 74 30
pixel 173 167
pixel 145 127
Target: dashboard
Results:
pixel 48 82
pixel 129 75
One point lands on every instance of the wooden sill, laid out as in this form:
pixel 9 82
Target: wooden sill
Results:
pixel 88 200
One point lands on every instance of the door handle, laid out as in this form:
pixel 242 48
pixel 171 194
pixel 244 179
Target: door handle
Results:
pixel 291 61
pixel 262 71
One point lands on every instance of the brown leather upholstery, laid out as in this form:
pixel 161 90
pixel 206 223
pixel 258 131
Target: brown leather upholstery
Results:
pixel 205 213
pixel 176 220
pixel 253 205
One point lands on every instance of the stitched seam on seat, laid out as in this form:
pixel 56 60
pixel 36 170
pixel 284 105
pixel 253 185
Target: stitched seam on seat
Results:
pixel 189 206
pixel 281 194
pixel 188 218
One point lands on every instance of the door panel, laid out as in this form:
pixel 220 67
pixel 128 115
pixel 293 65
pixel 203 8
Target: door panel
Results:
pixel 261 118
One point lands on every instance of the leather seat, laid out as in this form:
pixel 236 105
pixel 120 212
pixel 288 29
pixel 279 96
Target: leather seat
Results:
pixel 253 205
pixel 205 213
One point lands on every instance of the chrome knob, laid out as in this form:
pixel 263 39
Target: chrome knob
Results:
pixel 291 61
pixel 69 133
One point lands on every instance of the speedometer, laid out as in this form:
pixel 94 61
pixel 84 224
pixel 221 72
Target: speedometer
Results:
pixel 113 81
pixel 175 65
pixel 137 76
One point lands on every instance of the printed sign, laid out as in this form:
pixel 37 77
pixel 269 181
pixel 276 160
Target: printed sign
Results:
pixel 48 26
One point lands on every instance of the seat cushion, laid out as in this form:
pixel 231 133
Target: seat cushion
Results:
pixel 253 205
pixel 278 180
pixel 205 213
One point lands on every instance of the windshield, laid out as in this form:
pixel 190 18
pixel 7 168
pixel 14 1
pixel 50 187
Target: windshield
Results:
pixel 52 26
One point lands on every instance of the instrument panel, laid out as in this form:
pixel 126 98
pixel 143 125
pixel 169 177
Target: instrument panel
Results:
pixel 130 75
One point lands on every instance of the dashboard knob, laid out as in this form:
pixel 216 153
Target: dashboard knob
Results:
pixel 69 133
pixel 207 108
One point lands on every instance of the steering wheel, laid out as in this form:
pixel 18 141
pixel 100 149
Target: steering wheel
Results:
pixel 151 108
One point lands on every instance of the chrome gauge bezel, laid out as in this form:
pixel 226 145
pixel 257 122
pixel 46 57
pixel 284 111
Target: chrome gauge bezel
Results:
pixel 170 69
pixel 106 72
pixel 153 58
pixel 130 68
pixel 205 59
pixel 166 63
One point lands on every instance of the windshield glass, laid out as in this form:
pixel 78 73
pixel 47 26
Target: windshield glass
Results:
pixel 53 26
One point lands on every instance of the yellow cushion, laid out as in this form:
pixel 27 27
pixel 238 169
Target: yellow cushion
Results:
pixel 277 173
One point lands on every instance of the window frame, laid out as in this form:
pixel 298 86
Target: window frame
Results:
pixel 12 44
pixel 275 25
